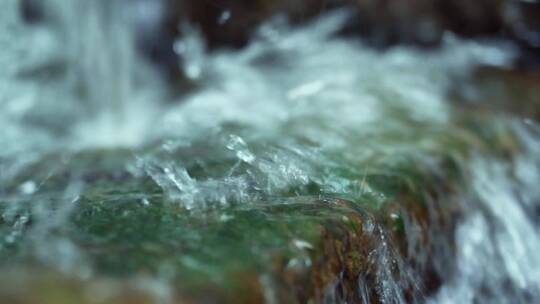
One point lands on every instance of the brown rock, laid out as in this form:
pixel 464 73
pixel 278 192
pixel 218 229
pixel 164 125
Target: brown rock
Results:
pixel 472 18
pixel 231 23
pixel 385 23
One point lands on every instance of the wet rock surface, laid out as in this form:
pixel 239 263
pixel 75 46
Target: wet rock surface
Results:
pixel 298 249
pixel 510 90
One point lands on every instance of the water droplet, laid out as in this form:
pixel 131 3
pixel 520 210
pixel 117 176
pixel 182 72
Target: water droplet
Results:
pixel 192 50
pixel 28 188
pixel 224 17
pixel 302 245
pixel 145 202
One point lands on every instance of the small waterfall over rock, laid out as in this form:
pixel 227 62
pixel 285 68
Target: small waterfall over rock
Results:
pixel 304 167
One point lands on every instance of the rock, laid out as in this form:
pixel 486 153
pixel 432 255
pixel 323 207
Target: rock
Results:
pixel 472 18
pixel 523 25
pixel 508 90
pixel 231 23
pixel 523 22
pixel 385 23
pixel 122 226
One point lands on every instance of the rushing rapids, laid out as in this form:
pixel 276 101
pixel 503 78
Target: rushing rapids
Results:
pixel 304 168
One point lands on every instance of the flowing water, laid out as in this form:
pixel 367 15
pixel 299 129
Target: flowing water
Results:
pixel 297 109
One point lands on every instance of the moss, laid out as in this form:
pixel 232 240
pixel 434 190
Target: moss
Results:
pixel 297 239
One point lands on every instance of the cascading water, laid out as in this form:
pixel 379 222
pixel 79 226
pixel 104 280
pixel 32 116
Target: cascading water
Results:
pixel 297 110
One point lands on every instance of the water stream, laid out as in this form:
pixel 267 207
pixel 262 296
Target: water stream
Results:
pixel 297 109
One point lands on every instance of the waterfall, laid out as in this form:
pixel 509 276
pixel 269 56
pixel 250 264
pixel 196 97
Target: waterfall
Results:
pixel 295 110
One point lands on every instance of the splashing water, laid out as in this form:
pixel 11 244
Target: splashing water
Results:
pixel 298 113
